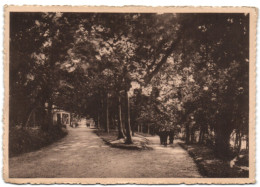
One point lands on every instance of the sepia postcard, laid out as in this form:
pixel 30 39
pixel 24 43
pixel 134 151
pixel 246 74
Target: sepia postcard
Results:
pixel 129 95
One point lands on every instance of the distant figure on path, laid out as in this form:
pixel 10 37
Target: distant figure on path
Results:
pixel 171 136
pixel 165 137
pixel 163 134
pixel 160 133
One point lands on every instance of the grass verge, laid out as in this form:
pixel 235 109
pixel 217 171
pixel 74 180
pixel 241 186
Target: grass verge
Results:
pixel 210 166
pixel 27 140
pixel 139 142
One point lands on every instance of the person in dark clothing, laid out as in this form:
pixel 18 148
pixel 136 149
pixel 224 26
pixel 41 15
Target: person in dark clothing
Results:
pixel 165 137
pixel 160 134
pixel 171 136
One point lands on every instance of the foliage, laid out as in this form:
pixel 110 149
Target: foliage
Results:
pixel 179 70
pixel 26 140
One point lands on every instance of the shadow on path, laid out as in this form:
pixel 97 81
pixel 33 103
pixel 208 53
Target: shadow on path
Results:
pixel 82 154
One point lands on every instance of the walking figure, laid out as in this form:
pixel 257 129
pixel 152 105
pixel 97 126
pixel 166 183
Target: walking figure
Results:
pixel 171 136
pixel 160 133
pixel 165 137
pixel 163 134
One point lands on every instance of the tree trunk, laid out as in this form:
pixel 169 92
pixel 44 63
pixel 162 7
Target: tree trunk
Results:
pixel 113 121
pixel 42 116
pixel 128 125
pixel 59 123
pixel 201 137
pixel 192 136
pixel 187 133
pixel 28 115
pixel 34 119
pixel 107 114
pixel 222 143
pixel 50 115
pixel 102 114
pixel 28 118
pixel 239 142
pixel 120 126
pixel 70 124
pixel 247 143
pixel 98 121
pixel 133 129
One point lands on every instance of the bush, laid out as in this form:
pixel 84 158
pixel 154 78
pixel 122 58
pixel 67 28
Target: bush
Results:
pixel 26 140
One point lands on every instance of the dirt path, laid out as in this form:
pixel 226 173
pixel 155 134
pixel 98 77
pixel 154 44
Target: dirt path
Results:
pixel 83 154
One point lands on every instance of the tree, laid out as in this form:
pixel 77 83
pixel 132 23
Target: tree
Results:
pixel 188 68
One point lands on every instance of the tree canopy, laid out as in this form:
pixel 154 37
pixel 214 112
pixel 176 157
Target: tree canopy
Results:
pixel 185 70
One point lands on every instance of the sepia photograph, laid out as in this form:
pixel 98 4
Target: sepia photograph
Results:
pixel 129 95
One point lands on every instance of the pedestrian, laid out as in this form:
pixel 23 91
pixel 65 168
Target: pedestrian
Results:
pixel 171 136
pixel 160 133
pixel 165 137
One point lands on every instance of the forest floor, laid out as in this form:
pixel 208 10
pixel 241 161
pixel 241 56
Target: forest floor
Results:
pixel 210 166
pixel 82 154
pixel 139 142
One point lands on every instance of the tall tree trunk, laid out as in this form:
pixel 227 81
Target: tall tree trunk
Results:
pixel 113 121
pixel 98 120
pixel 70 124
pixel 222 142
pixel 187 133
pixel 120 126
pixel 28 115
pixel 202 133
pixel 28 118
pixel 133 129
pixel 43 115
pixel 239 141
pixel 247 142
pixel 107 114
pixel 128 125
pixel 50 115
pixel 102 115
pixel 192 136
pixel 200 136
pixel 34 119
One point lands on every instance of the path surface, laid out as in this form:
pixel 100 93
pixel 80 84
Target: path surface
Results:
pixel 83 154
